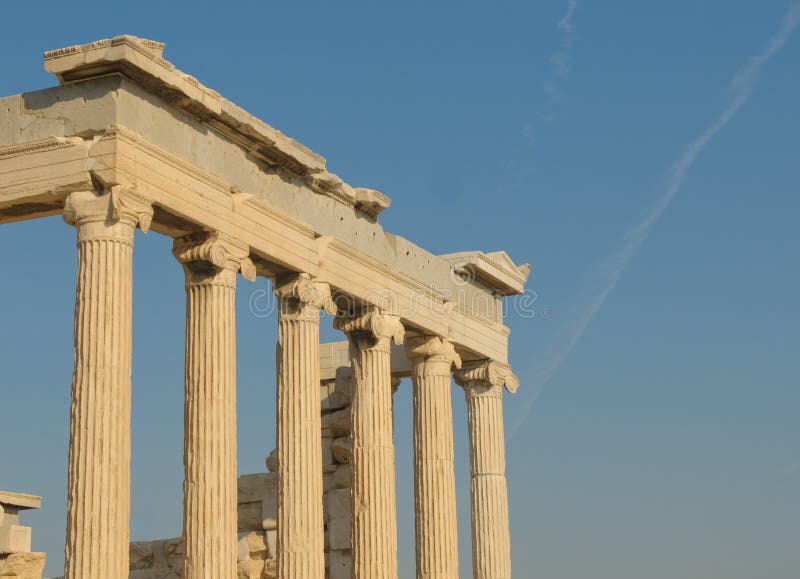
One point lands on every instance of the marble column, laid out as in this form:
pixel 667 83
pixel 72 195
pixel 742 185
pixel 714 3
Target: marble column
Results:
pixel 301 539
pixel 210 262
pixel 374 530
pixel 483 383
pixel 431 358
pixel 98 488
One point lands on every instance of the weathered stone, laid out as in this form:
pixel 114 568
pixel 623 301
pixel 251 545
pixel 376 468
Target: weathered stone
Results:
pixel 173 552
pixel 269 506
pixel 250 516
pixel 338 503
pixel 342 449
pixel 340 565
pixel 339 532
pixel 252 545
pixel 251 487
pixel 23 566
pixel 141 555
pixel 14 539
pixel 324 393
pixel 327 453
pixel 250 569
pixel 271 537
pixel 339 422
pixel 343 477
pixel 272 461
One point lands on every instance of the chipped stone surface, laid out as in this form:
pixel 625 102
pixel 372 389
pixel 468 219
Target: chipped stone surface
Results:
pixel 22 565
pixel 340 565
pixel 339 422
pixel 342 449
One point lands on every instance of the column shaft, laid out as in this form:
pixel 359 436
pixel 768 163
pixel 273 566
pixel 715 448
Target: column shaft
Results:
pixel 300 524
pixel 209 503
pixel 374 530
pixel 210 514
pixel 434 479
pixel 483 382
pixel 491 543
pixel 434 475
pixel 98 495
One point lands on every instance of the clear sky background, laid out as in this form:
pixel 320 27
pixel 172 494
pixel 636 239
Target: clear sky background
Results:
pixel 656 431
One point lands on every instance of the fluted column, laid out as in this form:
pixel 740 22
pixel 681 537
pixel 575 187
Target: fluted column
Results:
pixel 301 539
pixel 483 383
pixel 210 262
pixel 434 476
pixel 374 530
pixel 98 488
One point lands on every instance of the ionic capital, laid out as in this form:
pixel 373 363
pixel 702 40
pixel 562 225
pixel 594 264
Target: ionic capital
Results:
pixel 302 297
pixel 119 205
pixel 380 327
pixel 486 377
pixel 433 355
pixel 206 254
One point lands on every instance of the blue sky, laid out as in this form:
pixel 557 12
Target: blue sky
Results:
pixel 656 429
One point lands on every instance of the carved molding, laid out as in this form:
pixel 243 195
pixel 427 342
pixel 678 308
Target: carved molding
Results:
pixel 305 295
pixel 370 201
pixel 382 327
pixel 216 249
pixel 118 205
pixel 44 145
pixel 432 354
pixel 487 374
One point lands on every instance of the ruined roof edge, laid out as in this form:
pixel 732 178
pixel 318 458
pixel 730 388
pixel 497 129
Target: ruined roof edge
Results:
pixel 20 501
pixel 495 268
pixel 141 61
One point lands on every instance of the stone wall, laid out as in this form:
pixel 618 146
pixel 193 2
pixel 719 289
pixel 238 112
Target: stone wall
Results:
pixel 164 559
pixel 337 451
pixel 16 559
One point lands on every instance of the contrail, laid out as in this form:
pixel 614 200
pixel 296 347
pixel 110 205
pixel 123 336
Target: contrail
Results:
pixel 565 23
pixel 607 273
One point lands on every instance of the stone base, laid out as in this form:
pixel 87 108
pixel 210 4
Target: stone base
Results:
pixel 22 565
pixel 164 559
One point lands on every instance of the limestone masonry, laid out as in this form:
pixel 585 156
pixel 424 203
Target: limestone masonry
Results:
pixel 16 559
pixel 127 142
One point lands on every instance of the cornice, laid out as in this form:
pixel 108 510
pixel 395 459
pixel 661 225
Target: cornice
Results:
pixel 140 60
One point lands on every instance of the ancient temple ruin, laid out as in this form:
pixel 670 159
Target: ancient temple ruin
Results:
pixel 127 141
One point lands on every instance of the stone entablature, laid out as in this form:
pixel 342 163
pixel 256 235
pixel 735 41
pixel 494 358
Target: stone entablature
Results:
pixel 126 117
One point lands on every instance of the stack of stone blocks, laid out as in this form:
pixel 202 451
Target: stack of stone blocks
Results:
pixel 16 559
